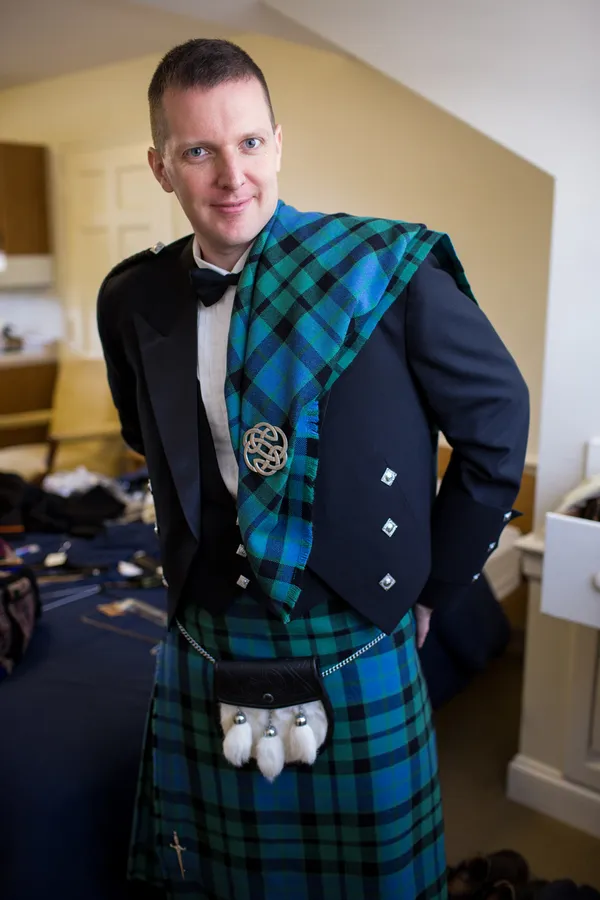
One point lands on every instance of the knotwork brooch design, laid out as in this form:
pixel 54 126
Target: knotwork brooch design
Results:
pixel 268 446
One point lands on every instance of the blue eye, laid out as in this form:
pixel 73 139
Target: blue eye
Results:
pixel 195 152
pixel 252 143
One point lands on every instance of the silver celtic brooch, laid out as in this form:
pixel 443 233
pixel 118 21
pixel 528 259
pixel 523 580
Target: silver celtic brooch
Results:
pixel 268 446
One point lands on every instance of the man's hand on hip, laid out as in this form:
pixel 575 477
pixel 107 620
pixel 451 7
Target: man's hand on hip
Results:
pixel 423 619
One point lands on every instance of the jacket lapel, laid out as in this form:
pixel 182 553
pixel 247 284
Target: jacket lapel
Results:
pixel 168 339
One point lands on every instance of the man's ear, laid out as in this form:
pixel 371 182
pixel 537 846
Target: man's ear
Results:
pixel 278 145
pixel 157 165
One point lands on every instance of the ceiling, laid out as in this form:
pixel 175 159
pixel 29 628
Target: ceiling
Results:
pixel 41 39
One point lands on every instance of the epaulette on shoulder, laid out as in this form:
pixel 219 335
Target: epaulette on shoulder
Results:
pixel 132 261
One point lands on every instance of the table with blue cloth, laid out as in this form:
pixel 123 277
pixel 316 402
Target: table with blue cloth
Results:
pixel 71 724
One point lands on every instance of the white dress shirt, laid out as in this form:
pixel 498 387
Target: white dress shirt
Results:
pixel 213 336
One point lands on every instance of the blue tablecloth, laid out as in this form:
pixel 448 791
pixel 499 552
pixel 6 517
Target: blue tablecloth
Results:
pixel 71 726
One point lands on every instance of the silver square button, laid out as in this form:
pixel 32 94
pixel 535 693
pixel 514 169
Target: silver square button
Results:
pixel 387 582
pixel 243 582
pixel 389 476
pixel 241 551
pixel 389 527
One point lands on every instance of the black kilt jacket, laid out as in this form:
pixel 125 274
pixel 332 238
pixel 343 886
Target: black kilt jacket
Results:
pixel 383 538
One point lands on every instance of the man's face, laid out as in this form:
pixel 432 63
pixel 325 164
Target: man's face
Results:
pixel 221 159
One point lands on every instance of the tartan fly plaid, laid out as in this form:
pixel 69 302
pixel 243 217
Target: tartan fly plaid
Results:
pixel 312 291
pixel 364 822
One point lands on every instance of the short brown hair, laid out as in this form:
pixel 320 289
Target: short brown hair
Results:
pixel 199 63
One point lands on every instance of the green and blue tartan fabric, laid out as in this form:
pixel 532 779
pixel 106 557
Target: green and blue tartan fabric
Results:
pixel 312 291
pixel 364 821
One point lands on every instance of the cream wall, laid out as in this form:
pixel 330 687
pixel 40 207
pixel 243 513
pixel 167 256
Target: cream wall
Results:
pixel 355 141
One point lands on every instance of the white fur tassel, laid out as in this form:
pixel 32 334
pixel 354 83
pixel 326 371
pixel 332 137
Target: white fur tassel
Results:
pixel 237 744
pixel 302 744
pixel 270 756
pixel 291 744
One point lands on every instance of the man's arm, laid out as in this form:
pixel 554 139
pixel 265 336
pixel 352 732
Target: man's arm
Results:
pixel 121 377
pixel 476 395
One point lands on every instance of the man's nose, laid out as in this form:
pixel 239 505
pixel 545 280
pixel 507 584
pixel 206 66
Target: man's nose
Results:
pixel 230 174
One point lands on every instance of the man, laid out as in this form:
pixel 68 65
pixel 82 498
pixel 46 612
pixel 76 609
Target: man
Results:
pixel 285 375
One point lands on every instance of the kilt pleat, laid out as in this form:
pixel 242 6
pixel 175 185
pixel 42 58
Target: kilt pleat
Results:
pixel 364 822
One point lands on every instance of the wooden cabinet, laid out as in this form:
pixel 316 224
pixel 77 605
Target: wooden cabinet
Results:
pixel 24 226
pixel 26 385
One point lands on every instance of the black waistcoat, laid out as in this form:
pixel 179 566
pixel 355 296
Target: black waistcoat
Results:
pixel 213 581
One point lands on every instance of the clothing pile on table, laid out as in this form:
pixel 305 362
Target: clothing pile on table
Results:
pixel 506 875
pixel 76 503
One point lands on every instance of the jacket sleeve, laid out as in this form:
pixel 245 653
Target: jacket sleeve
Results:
pixel 475 394
pixel 121 376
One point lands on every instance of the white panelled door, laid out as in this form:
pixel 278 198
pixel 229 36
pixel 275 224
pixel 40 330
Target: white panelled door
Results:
pixel 113 208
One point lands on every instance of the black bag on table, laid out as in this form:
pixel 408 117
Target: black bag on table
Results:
pixel 20 608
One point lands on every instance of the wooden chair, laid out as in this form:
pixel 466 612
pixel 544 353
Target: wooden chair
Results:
pixel 83 426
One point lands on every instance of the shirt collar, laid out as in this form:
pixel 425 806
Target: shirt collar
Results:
pixel 202 264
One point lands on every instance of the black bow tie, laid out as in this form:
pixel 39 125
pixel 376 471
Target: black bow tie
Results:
pixel 210 285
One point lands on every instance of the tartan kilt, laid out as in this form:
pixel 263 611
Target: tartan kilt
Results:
pixel 364 822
